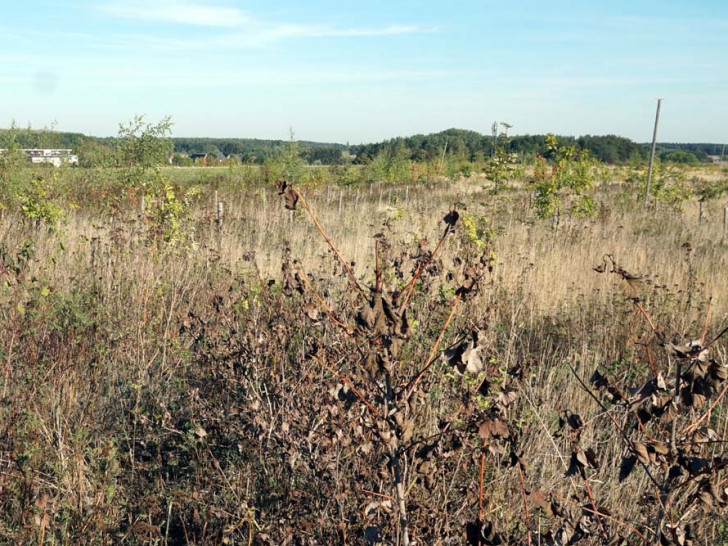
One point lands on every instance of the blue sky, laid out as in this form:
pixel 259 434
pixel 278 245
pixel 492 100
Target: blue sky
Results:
pixel 365 71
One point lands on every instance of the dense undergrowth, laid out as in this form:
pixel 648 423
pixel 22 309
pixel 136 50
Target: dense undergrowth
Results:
pixel 237 382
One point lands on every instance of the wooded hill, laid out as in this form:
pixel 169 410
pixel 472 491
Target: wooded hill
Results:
pixel 468 145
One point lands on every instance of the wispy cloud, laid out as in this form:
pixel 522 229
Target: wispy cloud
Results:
pixel 213 79
pixel 246 30
pixel 178 12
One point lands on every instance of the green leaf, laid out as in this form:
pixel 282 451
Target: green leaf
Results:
pixel 45 291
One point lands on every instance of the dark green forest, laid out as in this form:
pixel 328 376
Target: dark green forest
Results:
pixel 475 146
pixel 464 144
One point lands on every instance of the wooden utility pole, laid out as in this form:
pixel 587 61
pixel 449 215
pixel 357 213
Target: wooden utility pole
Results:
pixel 652 154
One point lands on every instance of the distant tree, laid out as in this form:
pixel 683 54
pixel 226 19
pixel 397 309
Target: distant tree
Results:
pixel 679 156
pixel 182 160
pixel 324 155
pixel 143 145
pixel 94 153
pixel 563 179
pixel 285 162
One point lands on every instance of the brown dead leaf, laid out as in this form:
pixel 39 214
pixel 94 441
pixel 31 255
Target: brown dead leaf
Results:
pixel 493 428
pixel 641 451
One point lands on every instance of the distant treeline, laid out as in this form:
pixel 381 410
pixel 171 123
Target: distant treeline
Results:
pixel 34 138
pixel 459 143
pixel 252 150
pixel 476 147
pixel 700 150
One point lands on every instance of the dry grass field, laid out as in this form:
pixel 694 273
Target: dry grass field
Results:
pixel 230 384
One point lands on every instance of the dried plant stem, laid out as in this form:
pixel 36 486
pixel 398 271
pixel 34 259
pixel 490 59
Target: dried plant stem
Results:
pixel 349 330
pixel 409 389
pixel 421 267
pixel 723 332
pixel 522 481
pixel 624 436
pixel 399 488
pixel 594 505
pixel 328 240
pixel 642 537
pixel 705 324
pixel 381 495
pixel 696 424
pixel 348 383
pixel 649 321
pixel 480 489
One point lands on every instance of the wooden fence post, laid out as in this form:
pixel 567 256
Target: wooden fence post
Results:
pixel 219 217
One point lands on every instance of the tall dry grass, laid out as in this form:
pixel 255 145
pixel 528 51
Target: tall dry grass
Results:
pixel 144 385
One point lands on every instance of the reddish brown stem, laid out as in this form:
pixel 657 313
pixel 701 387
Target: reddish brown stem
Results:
pixel 349 330
pixel 649 321
pixel 594 506
pixel 649 360
pixel 525 502
pixel 409 389
pixel 642 537
pixel 349 384
pixel 419 270
pixel 480 491
pixel 328 240
pixel 696 424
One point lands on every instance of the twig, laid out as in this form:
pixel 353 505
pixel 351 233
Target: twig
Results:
pixel 624 436
pixel 696 424
pixel 328 240
pixel 606 516
pixel 348 383
pixel 409 389
pixel 349 330
pixel 480 489
pixel 723 332
pixel 525 501
pixel 649 321
pixel 594 505
pixel 419 270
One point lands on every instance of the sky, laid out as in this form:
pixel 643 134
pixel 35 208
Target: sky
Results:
pixel 355 72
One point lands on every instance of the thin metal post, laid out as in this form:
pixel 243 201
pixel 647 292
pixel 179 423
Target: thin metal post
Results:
pixel 700 212
pixel 341 198
pixel 652 154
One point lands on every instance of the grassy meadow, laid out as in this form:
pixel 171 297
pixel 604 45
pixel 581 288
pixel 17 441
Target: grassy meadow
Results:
pixel 191 363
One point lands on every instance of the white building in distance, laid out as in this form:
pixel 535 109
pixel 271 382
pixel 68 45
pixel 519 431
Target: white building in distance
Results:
pixel 56 157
